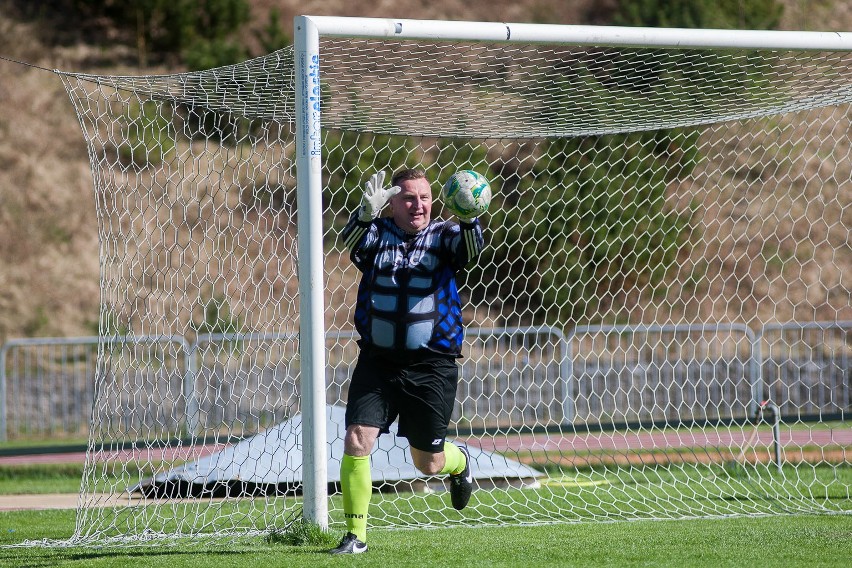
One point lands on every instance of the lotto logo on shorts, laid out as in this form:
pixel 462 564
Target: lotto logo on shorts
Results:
pixel 437 441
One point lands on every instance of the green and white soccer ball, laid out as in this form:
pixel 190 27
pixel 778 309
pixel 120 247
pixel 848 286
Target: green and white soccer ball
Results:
pixel 467 194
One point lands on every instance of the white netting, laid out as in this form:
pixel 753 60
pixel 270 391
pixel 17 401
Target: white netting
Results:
pixel 659 325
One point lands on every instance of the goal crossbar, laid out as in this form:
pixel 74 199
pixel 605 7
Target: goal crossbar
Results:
pixel 578 35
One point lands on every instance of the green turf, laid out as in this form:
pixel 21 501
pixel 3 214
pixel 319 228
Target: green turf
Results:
pixel 39 444
pixel 614 493
pixel 789 541
pixel 626 493
pixel 40 478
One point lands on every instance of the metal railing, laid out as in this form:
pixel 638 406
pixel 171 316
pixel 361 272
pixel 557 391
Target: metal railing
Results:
pixel 60 360
pixel 511 377
pixel 751 366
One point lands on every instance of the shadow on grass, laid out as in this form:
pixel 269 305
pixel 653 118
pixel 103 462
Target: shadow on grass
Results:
pixel 47 556
pixel 38 557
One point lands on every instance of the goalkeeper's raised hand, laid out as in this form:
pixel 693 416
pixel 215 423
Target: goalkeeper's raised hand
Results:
pixel 375 197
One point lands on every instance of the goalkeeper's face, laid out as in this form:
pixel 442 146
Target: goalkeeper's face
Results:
pixel 412 206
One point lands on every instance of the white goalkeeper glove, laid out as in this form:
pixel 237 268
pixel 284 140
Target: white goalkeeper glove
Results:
pixel 375 197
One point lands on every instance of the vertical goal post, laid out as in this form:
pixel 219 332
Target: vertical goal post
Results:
pixel 311 281
pixel 308 65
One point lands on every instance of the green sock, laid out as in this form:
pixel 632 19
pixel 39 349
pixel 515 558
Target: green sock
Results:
pixel 455 461
pixel 357 486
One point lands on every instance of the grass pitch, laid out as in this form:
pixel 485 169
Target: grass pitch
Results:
pixel 800 540
pixel 785 540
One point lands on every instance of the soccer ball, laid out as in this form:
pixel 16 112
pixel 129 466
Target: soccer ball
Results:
pixel 467 194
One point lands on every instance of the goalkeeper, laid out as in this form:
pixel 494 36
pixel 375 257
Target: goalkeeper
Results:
pixel 408 316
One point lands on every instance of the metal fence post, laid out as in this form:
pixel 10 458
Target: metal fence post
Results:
pixel 190 400
pixel 566 370
pixel 756 364
pixel 3 392
pixel 569 409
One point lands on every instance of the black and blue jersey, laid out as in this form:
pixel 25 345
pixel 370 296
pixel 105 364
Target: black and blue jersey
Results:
pixel 408 297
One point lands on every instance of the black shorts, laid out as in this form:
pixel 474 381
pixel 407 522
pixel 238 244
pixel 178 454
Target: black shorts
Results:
pixel 419 389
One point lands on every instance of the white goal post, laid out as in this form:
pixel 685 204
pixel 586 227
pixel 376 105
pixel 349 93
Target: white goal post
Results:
pixel 659 325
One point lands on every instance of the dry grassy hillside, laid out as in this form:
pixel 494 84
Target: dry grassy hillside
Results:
pixel 48 235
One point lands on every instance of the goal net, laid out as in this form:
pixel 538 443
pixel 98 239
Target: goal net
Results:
pixel 659 326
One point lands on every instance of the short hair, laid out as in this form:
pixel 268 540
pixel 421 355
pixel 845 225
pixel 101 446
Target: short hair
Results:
pixel 407 174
